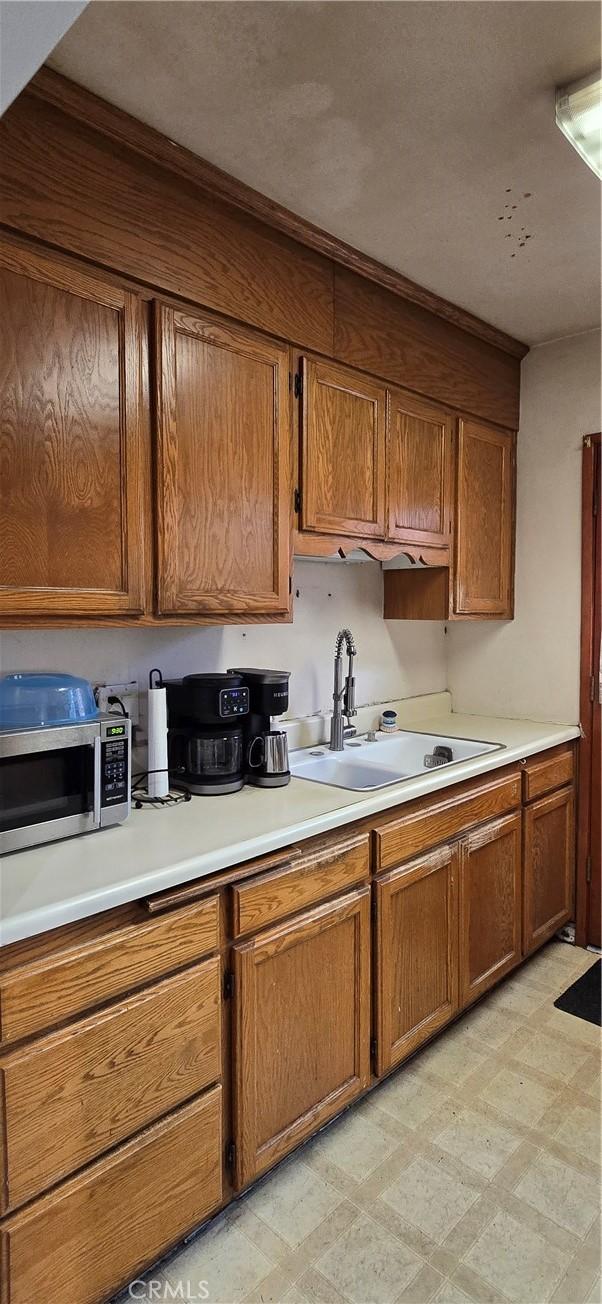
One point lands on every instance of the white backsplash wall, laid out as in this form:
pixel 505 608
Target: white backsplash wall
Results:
pixel 395 658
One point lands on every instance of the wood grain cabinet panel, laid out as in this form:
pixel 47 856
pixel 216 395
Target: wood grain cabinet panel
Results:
pixel 543 774
pixel 92 1234
pixel 426 822
pixel 490 905
pixel 548 866
pixel 72 1095
pixel 321 871
pixel 484 561
pixel 419 467
pixel 416 954
pixel 302 1028
pixel 342 451
pixel 224 487
pixel 71 528
pixel 85 972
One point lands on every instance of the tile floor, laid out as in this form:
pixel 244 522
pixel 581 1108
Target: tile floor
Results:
pixel 472 1174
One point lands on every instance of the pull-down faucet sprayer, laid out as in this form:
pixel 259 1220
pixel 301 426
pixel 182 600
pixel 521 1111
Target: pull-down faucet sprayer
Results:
pixel 343 696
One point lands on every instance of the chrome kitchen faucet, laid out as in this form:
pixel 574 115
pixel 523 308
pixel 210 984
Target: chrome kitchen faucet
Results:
pixel 343 696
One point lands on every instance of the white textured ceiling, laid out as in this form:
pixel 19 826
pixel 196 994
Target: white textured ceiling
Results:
pixel 407 129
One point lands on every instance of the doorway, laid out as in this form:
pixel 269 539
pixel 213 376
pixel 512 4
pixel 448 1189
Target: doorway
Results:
pixel 589 838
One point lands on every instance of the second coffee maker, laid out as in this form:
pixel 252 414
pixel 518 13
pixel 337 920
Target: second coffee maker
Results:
pixel 265 748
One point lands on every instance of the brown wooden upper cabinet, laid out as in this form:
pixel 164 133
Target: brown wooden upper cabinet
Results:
pixel 343 419
pixel 419 471
pixel 223 467
pixel 71 529
pixel 483 579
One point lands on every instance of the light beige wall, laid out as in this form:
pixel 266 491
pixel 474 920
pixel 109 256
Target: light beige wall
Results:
pixel 530 667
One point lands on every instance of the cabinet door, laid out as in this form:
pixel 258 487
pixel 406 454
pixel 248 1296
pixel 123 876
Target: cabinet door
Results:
pixel 302 1028
pixel 416 953
pixel 549 866
pixel 490 905
pixel 419 458
pixel 485 521
pixel 342 451
pixel 71 540
pixel 224 493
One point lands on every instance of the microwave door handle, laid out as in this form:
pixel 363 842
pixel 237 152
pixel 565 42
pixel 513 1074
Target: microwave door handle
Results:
pixel 97 777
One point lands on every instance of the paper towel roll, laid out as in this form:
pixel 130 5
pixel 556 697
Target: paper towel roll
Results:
pixel 158 782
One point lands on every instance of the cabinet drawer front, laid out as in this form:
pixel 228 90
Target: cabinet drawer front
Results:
pixel 74 1094
pixel 323 872
pixel 94 1233
pixel 35 996
pixel 544 773
pixel 443 818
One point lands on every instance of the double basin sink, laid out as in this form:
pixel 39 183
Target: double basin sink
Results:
pixel 367 763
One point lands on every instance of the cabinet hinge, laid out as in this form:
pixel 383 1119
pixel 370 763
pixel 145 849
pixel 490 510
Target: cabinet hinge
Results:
pixel 373 1047
pixel 228 985
pixel 298 387
pixel 231 1155
pixel 290 583
pixel 588 869
pixel 297 500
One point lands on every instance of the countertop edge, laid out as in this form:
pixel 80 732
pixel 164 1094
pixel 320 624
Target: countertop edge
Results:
pixel 70 910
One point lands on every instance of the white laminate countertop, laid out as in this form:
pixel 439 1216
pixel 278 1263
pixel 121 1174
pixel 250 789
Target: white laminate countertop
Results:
pixel 155 849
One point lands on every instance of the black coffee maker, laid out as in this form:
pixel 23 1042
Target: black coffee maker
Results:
pixel 205 740
pixel 265 748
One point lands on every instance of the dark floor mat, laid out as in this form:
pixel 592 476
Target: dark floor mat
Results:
pixel 583 997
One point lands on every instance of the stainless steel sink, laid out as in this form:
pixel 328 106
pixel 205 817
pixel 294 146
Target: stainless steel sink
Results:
pixel 364 765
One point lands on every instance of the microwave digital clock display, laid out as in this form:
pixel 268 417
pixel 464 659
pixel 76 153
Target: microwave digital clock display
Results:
pixel 115 731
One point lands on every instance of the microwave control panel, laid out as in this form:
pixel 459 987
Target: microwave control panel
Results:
pixel 114 775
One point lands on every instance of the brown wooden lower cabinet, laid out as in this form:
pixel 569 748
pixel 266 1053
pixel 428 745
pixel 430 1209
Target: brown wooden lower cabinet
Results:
pixel 302 1028
pixel 90 1236
pixel 104 1131
pixel 73 1094
pixel 548 866
pixel 490 905
pixel 416 953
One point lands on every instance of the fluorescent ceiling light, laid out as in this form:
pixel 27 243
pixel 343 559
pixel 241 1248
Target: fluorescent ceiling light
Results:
pixel 579 116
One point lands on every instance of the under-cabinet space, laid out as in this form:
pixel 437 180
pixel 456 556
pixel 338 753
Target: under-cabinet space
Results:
pixel 71 482
pixel 301 1041
pixel 71 1095
pixel 223 467
pixel 90 1236
pixel 342 456
pixel 490 905
pixel 416 954
pixel 548 866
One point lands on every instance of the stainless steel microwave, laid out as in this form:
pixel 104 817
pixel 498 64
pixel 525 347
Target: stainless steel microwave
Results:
pixel 62 780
